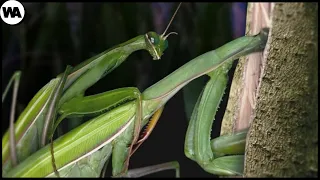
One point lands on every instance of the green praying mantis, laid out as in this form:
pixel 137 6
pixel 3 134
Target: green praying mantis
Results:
pixel 118 116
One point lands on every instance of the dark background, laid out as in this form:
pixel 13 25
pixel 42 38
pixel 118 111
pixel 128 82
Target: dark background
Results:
pixel 53 35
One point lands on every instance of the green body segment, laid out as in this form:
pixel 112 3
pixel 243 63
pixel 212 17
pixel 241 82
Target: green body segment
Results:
pixel 77 143
pixel 229 144
pixel 90 166
pixel 98 103
pixel 121 150
pixel 226 166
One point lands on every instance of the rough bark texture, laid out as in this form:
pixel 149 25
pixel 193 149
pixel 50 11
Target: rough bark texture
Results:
pixel 283 138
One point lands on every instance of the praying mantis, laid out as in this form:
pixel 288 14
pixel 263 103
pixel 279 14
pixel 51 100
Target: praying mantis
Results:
pixel 119 115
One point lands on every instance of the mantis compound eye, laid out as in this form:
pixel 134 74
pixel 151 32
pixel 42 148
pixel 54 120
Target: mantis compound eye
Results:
pixel 153 38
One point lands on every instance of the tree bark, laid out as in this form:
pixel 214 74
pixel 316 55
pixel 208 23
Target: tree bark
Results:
pixel 283 138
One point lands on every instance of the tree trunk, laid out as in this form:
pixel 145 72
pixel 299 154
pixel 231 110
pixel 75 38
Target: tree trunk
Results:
pixel 283 136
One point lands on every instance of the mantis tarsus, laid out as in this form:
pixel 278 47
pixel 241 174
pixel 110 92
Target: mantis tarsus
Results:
pixel 116 116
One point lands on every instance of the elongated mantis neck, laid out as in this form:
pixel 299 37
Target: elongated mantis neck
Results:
pixel 134 44
pixel 92 70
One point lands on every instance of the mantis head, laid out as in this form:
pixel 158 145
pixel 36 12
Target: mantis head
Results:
pixel 156 44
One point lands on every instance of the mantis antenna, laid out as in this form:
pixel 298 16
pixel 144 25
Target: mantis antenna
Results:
pixel 162 35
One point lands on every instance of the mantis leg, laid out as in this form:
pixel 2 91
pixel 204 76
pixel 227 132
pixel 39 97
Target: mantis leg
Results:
pixel 16 79
pixel 121 152
pixel 51 113
pixel 197 143
pixel 139 172
pixel 53 103
pixel 152 123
